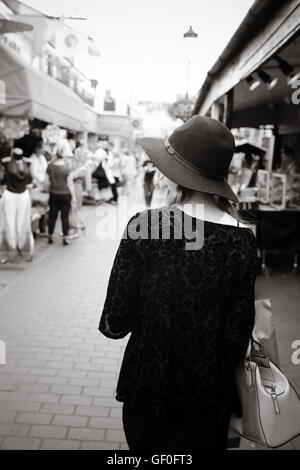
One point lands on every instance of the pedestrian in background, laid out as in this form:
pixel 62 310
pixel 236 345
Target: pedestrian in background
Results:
pixel 38 169
pixel 148 182
pixel 60 196
pixel 80 182
pixel 128 170
pixel 189 309
pixel 15 208
pixel 107 165
pixel 39 164
pixel 116 167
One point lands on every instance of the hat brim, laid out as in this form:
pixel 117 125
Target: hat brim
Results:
pixel 182 175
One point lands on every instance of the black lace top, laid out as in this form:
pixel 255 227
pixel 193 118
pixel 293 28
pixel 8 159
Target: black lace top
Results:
pixel 190 313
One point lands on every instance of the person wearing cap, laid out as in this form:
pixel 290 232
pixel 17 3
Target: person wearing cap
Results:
pixel 15 208
pixel 148 181
pixel 128 170
pixel 189 308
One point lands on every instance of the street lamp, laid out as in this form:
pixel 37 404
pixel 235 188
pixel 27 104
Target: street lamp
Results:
pixel 189 34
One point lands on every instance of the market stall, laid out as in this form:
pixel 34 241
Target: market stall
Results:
pixel 31 94
pixel 255 84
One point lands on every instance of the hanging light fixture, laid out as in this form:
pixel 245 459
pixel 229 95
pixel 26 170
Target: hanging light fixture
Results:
pixel 252 82
pixel 266 78
pixel 288 70
pixel 190 33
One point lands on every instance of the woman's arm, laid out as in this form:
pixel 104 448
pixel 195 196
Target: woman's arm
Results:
pixel 241 313
pixel 122 298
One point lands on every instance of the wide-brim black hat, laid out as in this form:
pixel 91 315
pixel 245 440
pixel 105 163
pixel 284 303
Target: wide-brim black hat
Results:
pixel 197 156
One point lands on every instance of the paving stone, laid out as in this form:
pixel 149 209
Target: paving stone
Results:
pixel 124 446
pixel 92 411
pixel 57 408
pixel 90 445
pixel 67 420
pixel 116 412
pixel 60 365
pixel 53 380
pixel 60 444
pixel 35 388
pixel 106 423
pixel 7 417
pixel 43 397
pixel 105 401
pixel 86 434
pixel 33 418
pixel 23 406
pixel 98 392
pixel 21 443
pixel 41 372
pixel 84 382
pixel 76 400
pixel 115 435
pixel 66 389
pixel 108 383
pixel 72 373
pixel 14 430
pixel 102 375
pixel 50 431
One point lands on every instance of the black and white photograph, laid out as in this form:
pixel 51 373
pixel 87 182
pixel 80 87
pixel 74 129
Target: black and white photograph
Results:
pixel 149 229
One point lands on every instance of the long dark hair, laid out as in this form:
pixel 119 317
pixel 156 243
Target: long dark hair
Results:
pixel 180 195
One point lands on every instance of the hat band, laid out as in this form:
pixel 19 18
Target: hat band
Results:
pixel 171 151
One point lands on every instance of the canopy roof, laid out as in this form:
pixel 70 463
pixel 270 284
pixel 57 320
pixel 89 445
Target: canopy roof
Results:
pixel 31 94
pixel 268 29
pixel 270 106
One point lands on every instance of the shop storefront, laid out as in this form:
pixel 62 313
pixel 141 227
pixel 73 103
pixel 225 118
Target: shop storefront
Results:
pixel 31 94
pixel 34 105
pixel 254 88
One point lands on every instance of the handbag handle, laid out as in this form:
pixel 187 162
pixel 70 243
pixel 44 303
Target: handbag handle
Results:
pixel 255 350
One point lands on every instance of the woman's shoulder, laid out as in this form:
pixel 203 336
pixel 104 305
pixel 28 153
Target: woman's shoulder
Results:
pixel 244 238
pixel 143 220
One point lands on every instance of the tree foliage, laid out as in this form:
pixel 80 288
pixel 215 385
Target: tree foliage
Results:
pixel 181 109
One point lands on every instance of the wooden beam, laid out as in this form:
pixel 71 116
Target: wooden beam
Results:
pixel 228 108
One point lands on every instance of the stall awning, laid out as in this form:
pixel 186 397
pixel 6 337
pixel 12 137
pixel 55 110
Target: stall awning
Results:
pixel 269 29
pixel 30 93
pixel 270 106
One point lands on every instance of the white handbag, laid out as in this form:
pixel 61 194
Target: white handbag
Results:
pixel 270 404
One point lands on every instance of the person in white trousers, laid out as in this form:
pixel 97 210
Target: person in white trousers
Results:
pixel 15 209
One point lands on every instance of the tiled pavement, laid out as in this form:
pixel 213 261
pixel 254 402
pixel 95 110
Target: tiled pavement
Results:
pixel 57 388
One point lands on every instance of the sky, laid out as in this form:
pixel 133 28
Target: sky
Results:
pixel 143 53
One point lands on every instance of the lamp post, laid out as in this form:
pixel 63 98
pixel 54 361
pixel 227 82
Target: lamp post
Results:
pixel 189 34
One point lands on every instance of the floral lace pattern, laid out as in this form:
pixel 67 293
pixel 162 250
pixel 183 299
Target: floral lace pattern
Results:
pixel 190 315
